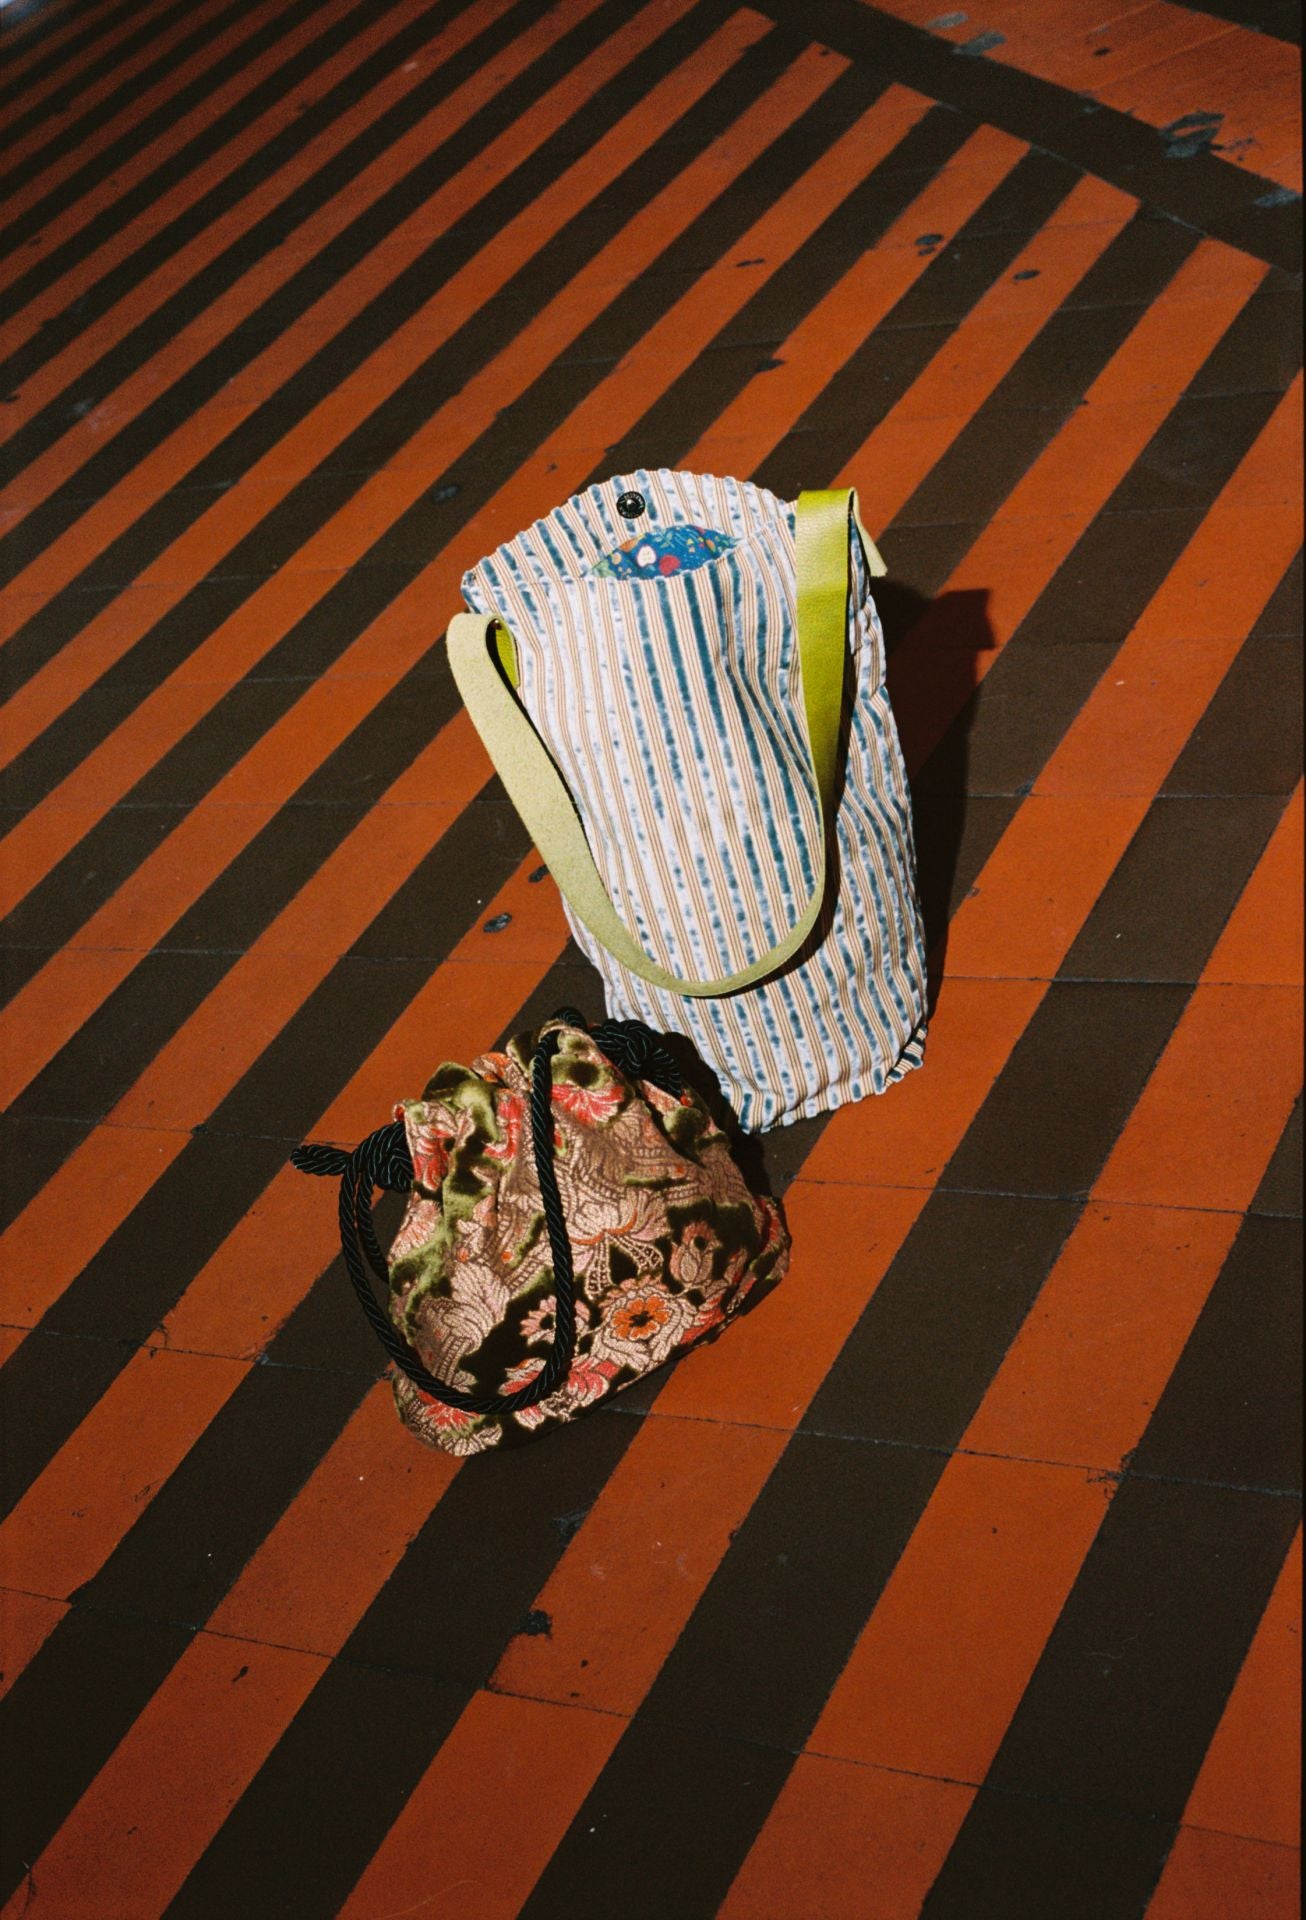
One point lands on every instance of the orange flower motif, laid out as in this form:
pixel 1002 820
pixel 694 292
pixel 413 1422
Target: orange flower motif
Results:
pixel 640 1315
pixel 494 1067
pixel 511 1116
pixel 429 1147
pixel 709 1315
pixel 442 1414
pixel 587 1382
pixel 590 1105
pixel 641 1323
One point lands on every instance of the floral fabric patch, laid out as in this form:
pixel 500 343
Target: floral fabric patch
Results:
pixel 663 551
pixel 667 1239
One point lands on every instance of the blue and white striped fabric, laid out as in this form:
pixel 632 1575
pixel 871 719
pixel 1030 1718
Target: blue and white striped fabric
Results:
pixel 673 710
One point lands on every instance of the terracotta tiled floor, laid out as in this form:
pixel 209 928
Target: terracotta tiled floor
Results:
pixel 963 1579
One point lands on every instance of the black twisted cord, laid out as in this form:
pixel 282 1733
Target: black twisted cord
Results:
pixel 632 1047
pixel 383 1160
pixel 558 1364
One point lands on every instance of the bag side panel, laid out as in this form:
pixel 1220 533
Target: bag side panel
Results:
pixel 673 712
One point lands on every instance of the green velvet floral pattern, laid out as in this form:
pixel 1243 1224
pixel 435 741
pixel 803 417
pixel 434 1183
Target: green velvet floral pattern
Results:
pixel 667 1240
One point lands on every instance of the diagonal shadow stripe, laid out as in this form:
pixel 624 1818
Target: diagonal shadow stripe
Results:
pixel 128 271
pixel 356 239
pixel 1280 18
pixel 89 1075
pixel 225 1880
pixel 1086 1792
pixel 1281 1189
pixel 833 1503
pixel 991 1249
pixel 35 30
pixel 65 1142
pixel 204 1565
pixel 347 609
pixel 329 1699
pixel 791 157
pixel 1131 545
pixel 221 1873
pixel 73 134
pixel 974 261
pixel 886 363
pixel 1213 816
pixel 90 873
pixel 1207 193
pixel 168 1238
pixel 1026 409
pixel 294 1081
pixel 388 1787
pixel 53 109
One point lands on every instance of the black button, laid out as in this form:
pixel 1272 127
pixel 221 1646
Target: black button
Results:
pixel 630 505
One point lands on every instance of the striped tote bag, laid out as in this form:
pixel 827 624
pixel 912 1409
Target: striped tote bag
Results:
pixel 681 680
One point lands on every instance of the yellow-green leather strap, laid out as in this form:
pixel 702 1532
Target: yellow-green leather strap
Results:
pixel 540 795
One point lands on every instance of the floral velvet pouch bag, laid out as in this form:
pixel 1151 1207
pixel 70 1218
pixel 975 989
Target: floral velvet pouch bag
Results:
pixel 575 1218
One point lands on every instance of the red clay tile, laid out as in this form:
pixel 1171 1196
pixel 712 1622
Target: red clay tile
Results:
pixel 1162 60
pixel 53 1238
pixel 637 1599
pixel 1088 1366
pixel 1262 942
pixel 152 1809
pixel 26 1622
pixel 403 631
pixel 1133 728
pixel 945 1656
pixel 348 295
pixel 151 90
pixel 49 1248
pixel 841 1835
pixel 189 188
pixel 1209 1876
pixel 75 1514
pixel 1227 1079
pixel 758 416
pixel 1056 856
pixel 626 1585
pixel 1250 1782
pixel 334 1546
pixel 532 1756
